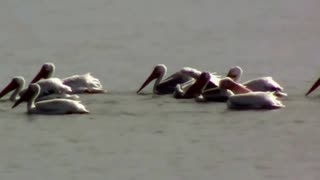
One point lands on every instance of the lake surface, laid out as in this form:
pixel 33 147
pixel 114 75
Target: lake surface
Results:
pixel 135 137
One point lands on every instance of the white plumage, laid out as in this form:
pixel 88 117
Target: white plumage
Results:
pixel 85 83
pixel 254 100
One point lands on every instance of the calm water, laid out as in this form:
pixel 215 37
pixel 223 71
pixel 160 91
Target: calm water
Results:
pixel 127 136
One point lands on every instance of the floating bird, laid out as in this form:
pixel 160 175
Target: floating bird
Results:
pixel 50 88
pixel 243 98
pixel 53 106
pixel 254 100
pixel 194 89
pixel 168 85
pixel 223 92
pixel 313 87
pixel 85 83
pixel 259 84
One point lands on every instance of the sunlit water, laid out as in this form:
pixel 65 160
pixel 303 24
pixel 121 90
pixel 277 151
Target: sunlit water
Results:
pixel 129 136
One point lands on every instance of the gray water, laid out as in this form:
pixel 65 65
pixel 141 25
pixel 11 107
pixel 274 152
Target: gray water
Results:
pixel 129 136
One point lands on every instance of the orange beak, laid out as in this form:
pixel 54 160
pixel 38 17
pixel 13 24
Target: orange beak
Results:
pixel 238 88
pixel 11 86
pixel 152 76
pixel 41 74
pixel 315 85
pixel 198 86
pixel 23 98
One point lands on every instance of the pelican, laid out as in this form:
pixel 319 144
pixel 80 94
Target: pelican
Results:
pixel 53 106
pixel 313 87
pixel 223 92
pixel 85 83
pixel 259 84
pixel 214 81
pixel 50 88
pixel 194 89
pixel 243 98
pixel 168 85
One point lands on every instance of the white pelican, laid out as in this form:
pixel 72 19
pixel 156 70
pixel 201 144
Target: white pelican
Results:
pixel 194 89
pixel 168 85
pixel 223 92
pixel 259 84
pixel 50 88
pixel 313 87
pixel 85 83
pixel 244 98
pixel 53 106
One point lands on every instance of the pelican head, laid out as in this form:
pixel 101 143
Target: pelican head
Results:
pixel 45 72
pixel 16 83
pixel 31 93
pixel 235 73
pixel 158 72
pixel 314 86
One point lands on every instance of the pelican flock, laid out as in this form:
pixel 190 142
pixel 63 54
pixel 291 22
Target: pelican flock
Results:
pixel 259 93
pixel 50 95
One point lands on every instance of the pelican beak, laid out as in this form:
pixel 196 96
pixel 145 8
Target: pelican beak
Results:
pixel 201 83
pixel 152 76
pixel 11 86
pixel 23 98
pixel 235 87
pixel 41 74
pixel 315 85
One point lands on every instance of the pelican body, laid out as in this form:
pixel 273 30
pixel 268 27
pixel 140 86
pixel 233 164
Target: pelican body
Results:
pixel 85 83
pixel 264 84
pixel 53 106
pixel 313 87
pixel 50 88
pixel 168 85
pixel 254 100
pixel 244 98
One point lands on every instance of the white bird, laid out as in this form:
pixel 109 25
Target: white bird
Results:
pixel 50 88
pixel 223 92
pixel 53 106
pixel 313 87
pixel 264 84
pixel 85 83
pixel 244 98
pixel 167 85
pixel 254 100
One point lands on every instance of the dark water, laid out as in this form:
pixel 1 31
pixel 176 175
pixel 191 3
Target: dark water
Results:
pixel 127 136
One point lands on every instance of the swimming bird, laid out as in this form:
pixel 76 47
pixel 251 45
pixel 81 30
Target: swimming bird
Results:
pixel 50 88
pixel 223 92
pixel 167 85
pixel 85 83
pixel 243 98
pixel 194 89
pixel 258 84
pixel 313 87
pixel 53 106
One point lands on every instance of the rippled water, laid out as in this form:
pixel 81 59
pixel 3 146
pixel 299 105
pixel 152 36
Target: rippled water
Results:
pixel 127 136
